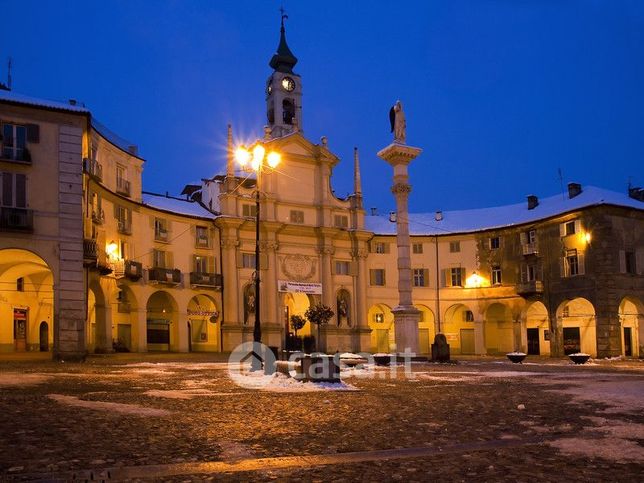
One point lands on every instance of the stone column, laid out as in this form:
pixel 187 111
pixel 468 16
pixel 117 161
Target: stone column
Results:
pixel 328 291
pixel 181 344
pixel 362 330
pixel 479 337
pixel 232 312
pixel 522 326
pixel 406 316
pixel 139 321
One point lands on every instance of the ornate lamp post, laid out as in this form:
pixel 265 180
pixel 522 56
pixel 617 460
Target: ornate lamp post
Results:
pixel 257 160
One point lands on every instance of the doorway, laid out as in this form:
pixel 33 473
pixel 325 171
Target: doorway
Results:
pixel 467 341
pixel 628 342
pixel 20 329
pixel 572 340
pixel 44 337
pixel 533 342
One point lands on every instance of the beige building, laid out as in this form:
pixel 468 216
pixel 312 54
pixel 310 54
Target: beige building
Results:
pixel 92 263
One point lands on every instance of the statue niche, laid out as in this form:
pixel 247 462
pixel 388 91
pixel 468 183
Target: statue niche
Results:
pixel 343 303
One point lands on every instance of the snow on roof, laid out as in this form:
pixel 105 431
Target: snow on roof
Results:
pixel 480 219
pixel 11 96
pixel 113 138
pixel 174 205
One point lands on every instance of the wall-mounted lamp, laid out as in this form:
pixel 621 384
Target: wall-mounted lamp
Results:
pixel 112 249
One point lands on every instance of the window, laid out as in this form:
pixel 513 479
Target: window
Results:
pixel 455 246
pixel 249 210
pixel 203 240
pixel 297 216
pixel 495 243
pixel 529 273
pixel 377 277
pixel 420 277
pixel 417 248
pixel 200 264
pixel 20 284
pixel 14 190
pixel 248 260
pixel 570 228
pixel 158 258
pixel 342 267
pixel 122 184
pixel 532 236
pixel 571 263
pixel 379 317
pixel 380 247
pixel 160 229
pixel 14 142
pixel 496 275
pixel 341 221
pixel 124 219
pixel 630 262
pixel 456 274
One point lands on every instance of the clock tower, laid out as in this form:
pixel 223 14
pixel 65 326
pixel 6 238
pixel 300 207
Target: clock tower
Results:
pixel 283 91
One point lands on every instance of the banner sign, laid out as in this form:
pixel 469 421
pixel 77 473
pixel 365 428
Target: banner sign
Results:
pixel 203 313
pixel 300 287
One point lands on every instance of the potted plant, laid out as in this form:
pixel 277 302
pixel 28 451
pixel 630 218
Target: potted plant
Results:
pixel 319 314
pixel 516 357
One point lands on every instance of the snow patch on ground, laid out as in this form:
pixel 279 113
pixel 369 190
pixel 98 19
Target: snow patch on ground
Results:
pixel 615 449
pixel 184 394
pixel 16 379
pixel 278 382
pixel 622 396
pixel 128 409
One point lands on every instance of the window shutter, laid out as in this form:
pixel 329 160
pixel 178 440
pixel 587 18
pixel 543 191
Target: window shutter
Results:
pixel 446 279
pixel 622 261
pixel 462 276
pixel 7 189
pixel 169 260
pixel 524 272
pixel 563 266
pixel 212 265
pixel 639 261
pixel 384 278
pixel 581 263
pixel 577 226
pixel 21 191
pixel 372 277
pixel 386 245
pixel 33 133
pixel 194 263
pixel 425 277
pixel 524 238
pixel 562 230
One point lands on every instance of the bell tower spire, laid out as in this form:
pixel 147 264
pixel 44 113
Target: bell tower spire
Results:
pixel 283 89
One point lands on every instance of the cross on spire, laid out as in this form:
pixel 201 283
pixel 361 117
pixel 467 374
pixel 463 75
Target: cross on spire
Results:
pixel 283 16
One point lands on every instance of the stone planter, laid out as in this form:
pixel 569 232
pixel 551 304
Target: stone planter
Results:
pixel 383 359
pixel 317 368
pixel 516 357
pixel 579 358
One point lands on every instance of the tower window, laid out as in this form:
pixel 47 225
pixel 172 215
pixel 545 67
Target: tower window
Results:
pixel 288 111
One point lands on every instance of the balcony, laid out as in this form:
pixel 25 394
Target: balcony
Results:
pixel 203 242
pixel 533 287
pixel 161 234
pixel 213 280
pixel 133 270
pixel 123 186
pixel 98 216
pixel 90 251
pixel 16 219
pixel 124 227
pixel 164 275
pixel 530 248
pixel 93 168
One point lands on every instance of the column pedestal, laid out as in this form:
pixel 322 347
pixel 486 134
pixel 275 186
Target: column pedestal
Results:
pixel 406 320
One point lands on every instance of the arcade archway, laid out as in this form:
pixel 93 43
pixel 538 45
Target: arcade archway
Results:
pixel 383 335
pixel 458 327
pixel 577 319
pixel 162 322
pixel 499 332
pixel 203 324
pixel 631 320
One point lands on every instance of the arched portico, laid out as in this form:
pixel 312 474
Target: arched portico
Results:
pixel 499 331
pixel 98 330
pixel 535 337
pixel 162 322
pixel 631 321
pixel 578 322
pixel 204 323
pixel 26 288
pixel 382 331
pixel 459 329
pixel 426 329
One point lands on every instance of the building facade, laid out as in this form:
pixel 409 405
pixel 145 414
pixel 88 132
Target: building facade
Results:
pixel 93 263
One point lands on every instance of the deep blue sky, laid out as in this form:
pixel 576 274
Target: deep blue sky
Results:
pixel 500 94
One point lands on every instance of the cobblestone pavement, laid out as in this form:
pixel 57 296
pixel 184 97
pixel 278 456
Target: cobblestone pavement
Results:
pixel 181 418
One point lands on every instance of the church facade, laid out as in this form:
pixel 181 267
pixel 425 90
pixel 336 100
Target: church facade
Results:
pixel 93 263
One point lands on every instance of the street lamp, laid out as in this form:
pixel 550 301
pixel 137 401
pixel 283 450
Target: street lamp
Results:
pixel 257 160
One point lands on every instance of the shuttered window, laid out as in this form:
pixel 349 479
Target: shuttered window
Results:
pixel 14 190
pixel 377 277
pixel 420 277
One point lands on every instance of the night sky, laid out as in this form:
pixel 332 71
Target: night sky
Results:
pixel 500 94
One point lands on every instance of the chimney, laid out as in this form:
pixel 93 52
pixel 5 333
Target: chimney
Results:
pixel 438 216
pixel 574 189
pixel 533 202
pixel 72 102
pixel 374 211
pixel 636 193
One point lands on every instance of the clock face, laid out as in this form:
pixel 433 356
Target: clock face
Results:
pixel 288 84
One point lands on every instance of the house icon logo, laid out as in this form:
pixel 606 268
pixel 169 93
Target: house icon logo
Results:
pixel 251 365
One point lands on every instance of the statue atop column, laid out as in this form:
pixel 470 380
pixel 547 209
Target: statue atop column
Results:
pixel 398 123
